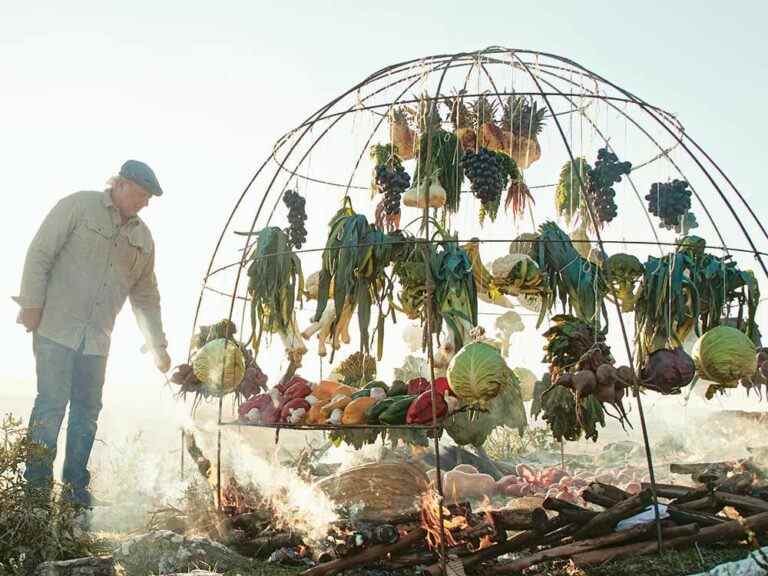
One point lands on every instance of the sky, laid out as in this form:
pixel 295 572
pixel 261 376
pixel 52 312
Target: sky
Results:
pixel 201 91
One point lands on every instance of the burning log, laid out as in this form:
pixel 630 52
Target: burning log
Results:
pixel 579 547
pixel 369 555
pixel 728 531
pixel 508 519
pixel 604 495
pixel 605 521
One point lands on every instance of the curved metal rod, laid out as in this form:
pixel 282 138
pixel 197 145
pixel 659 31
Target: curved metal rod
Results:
pixel 591 212
pixel 651 111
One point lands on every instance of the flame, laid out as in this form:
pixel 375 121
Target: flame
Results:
pixel 430 520
pixel 485 542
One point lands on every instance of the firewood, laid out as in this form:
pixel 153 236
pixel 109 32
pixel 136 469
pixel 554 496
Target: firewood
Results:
pixel 369 555
pixel 508 519
pixel 673 539
pixel 606 520
pixel 574 512
pixel 604 495
pixel 578 547
pixel 710 503
pixel 676 492
pixel 746 505
pixel 262 546
pixel 682 516
pixel 726 532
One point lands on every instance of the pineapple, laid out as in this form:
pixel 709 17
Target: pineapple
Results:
pixel 522 122
pixel 483 111
pixel 463 121
pixel 402 135
pixel 423 119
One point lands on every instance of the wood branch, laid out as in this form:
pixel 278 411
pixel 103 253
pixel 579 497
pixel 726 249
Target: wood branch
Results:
pixel 203 464
pixel 674 538
pixel 604 494
pixel 458 509
pixel 726 532
pixel 746 505
pixel 605 521
pixel 682 516
pixel 408 561
pixel 368 555
pixel 710 503
pixel 700 468
pixel 577 513
pixel 676 492
pixel 262 546
pixel 578 547
pixel 509 519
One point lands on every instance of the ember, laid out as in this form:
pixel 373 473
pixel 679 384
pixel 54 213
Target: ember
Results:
pixel 430 521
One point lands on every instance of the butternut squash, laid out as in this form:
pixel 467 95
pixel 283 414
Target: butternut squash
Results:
pixel 315 415
pixel 354 413
pixel 338 402
pixel 325 390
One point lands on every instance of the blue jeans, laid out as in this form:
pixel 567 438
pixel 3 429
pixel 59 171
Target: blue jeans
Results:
pixel 65 376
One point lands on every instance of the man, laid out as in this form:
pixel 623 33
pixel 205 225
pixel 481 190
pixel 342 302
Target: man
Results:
pixel 91 252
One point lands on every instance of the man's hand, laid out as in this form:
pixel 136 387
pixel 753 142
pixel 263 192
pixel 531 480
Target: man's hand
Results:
pixel 162 360
pixel 30 318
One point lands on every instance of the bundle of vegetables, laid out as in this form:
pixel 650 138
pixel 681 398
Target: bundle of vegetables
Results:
pixel 410 268
pixel 622 274
pixel 667 371
pixel 391 180
pixel 483 112
pixel 275 281
pixel 463 121
pixel 572 345
pixel 438 177
pixel 571 187
pixel 518 194
pixel 607 172
pixel 357 369
pixel 455 295
pixel 558 410
pixel 724 355
pixel 354 262
pixel 666 304
pixel 670 202
pixel 513 274
pixel 578 284
pixel 472 427
pixel 522 122
pixel 722 286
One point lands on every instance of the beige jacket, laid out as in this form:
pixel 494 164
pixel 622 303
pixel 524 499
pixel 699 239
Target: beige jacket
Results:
pixel 82 265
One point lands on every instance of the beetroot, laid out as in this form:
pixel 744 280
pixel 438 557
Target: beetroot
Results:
pixel 417 386
pixel 666 371
pixel 259 402
pixel 291 405
pixel 297 390
pixel 284 386
pixel 253 382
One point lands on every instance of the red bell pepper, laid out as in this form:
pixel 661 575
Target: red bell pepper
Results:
pixel 292 405
pixel 441 386
pixel 420 411
pixel 417 385
pixel 297 390
pixel 259 402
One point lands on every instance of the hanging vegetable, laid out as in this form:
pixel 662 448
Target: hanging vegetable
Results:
pixel 666 305
pixel 391 180
pixel 274 282
pixel 623 273
pixel 670 202
pixel 478 373
pixel 571 187
pixel 297 215
pixel 355 258
pixel 487 179
pixel 518 194
pixel 667 371
pixel 522 122
pixel 607 172
pixel 576 282
pixel 724 355
pixel 572 344
pixel 402 136
pixel 463 121
pixel 483 111
pixel 438 176
pixel 357 369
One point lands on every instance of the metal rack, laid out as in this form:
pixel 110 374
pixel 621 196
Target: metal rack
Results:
pixel 580 103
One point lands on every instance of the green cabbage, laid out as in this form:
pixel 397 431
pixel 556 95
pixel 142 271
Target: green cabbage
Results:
pixel 477 374
pixel 473 427
pixel 220 366
pixel 725 355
